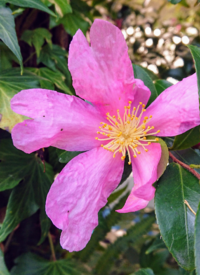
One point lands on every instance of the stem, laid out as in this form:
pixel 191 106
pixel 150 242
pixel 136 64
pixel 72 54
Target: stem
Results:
pixel 30 56
pixel 187 203
pixel 197 166
pixel 8 241
pixel 197 175
pixel 52 247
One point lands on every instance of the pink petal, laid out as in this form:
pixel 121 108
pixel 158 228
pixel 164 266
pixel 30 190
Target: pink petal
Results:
pixel 145 171
pixel 144 175
pixel 141 93
pixel 133 204
pixel 79 192
pixel 176 110
pixel 102 73
pixel 59 120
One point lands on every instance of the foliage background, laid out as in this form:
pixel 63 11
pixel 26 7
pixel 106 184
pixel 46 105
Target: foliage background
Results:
pixel 34 42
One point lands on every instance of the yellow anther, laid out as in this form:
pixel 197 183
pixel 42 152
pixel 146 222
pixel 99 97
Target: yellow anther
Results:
pixel 152 127
pixel 138 152
pixel 120 151
pixel 135 156
pixel 129 162
pixel 110 128
pixel 130 102
pixel 146 150
pixel 128 121
pixel 134 108
pixel 143 105
pixel 144 110
pixel 128 107
pixel 98 132
pixel 144 138
pixel 123 158
pixel 96 138
pixel 150 116
pixel 140 103
pixel 146 117
pixel 129 115
pixel 113 156
pixel 125 107
pixel 148 127
pixel 107 114
pixel 143 126
pixel 114 116
pixel 158 131
pixel 157 139
pixel 145 133
pixel 149 143
pixel 144 121
pixel 102 145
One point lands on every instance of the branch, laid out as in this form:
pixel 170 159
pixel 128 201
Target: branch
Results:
pixel 52 247
pixel 197 175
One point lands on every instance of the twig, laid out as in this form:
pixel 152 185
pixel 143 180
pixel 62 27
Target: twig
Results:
pixel 52 247
pixel 197 175
pixel 187 203
pixel 8 241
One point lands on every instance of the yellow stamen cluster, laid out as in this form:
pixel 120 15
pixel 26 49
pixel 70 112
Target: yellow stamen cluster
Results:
pixel 127 133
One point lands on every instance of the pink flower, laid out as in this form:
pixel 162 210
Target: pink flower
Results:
pixel 115 124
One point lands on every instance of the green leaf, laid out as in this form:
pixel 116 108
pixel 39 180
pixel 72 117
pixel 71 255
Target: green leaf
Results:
pixel 164 159
pixel 55 77
pixel 3 268
pixel 144 271
pixel 195 51
pixel 6 57
pixel 31 264
pixel 74 21
pixel 66 156
pixel 174 1
pixel 133 235
pixel 55 59
pixel 187 139
pixel 140 73
pixel 35 4
pixel 62 7
pixel 175 220
pixel 162 85
pixel 116 194
pixel 37 38
pixel 197 241
pixel 11 82
pixel 157 244
pixel 8 33
pixel 30 193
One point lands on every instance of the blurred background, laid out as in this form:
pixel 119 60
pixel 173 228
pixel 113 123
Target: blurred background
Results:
pixel 157 34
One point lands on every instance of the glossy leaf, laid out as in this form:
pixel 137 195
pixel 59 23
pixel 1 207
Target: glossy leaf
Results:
pixel 30 193
pixel 197 241
pixel 31 264
pixel 35 4
pixel 140 73
pixel 162 85
pixel 74 21
pixel 8 33
pixel 187 139
pixel 175 220
pixel 37 38
pixel 12 82
pixel 6 57
pixel 3 268
pixel 195 51
pixel 144 271
pixel 62 7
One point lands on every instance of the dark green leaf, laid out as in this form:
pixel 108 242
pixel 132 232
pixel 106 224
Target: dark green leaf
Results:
pixel 11 82
pixel 3 268
pixel 37 38
pixel 164 158
pixel 197 241
pixel 176 221
pixel 66 156
pixel 35 4
pixel 29 194
pixel 74 21
pixel 31 264
pixel 162 85
pixel 140 73
pixel 8 33
pixel 54 77
pixel 187 139
pixel 144 271
pixel 157 244
pixel 6 57
pixel 195 51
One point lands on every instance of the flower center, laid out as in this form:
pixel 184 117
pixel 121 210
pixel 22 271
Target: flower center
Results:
pixel 127 133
